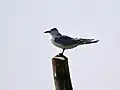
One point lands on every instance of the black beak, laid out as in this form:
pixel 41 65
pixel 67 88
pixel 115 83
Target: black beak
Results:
pixel 47 32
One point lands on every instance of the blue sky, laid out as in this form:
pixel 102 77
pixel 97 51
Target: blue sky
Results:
pixel 26 52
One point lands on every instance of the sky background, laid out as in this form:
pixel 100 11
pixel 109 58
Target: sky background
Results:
pixel 26 52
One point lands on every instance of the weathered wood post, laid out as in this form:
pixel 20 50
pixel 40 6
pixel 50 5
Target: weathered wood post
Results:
pixel 61 73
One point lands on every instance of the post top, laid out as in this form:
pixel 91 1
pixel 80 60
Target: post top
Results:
pixel 60 57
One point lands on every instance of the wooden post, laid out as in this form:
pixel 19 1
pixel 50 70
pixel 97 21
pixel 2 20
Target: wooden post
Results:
pixel 61 73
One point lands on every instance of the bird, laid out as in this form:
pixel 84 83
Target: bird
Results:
pixel 66 42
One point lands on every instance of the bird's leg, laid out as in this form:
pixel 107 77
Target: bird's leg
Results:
pixel 61 54
pixel 63 50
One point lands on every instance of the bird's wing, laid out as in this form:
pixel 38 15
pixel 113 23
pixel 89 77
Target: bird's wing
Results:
pixel 65 40
pixel 86 41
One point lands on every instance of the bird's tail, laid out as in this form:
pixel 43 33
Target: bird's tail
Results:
pixel 86 41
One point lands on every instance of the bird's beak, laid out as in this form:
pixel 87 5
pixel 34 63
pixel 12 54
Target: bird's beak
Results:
pixel 47 32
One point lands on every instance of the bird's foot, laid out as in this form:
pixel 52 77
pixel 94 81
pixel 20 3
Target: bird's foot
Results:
pixel 61 54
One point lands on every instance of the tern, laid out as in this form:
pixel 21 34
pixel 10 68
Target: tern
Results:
pixel 65 42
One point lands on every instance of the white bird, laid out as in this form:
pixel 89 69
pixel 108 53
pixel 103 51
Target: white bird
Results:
pixel 66 42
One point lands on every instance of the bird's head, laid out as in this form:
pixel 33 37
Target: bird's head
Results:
pixel 54 32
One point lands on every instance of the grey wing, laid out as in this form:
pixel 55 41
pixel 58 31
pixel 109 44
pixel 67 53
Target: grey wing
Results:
pixel 87 41
pixel 65 40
